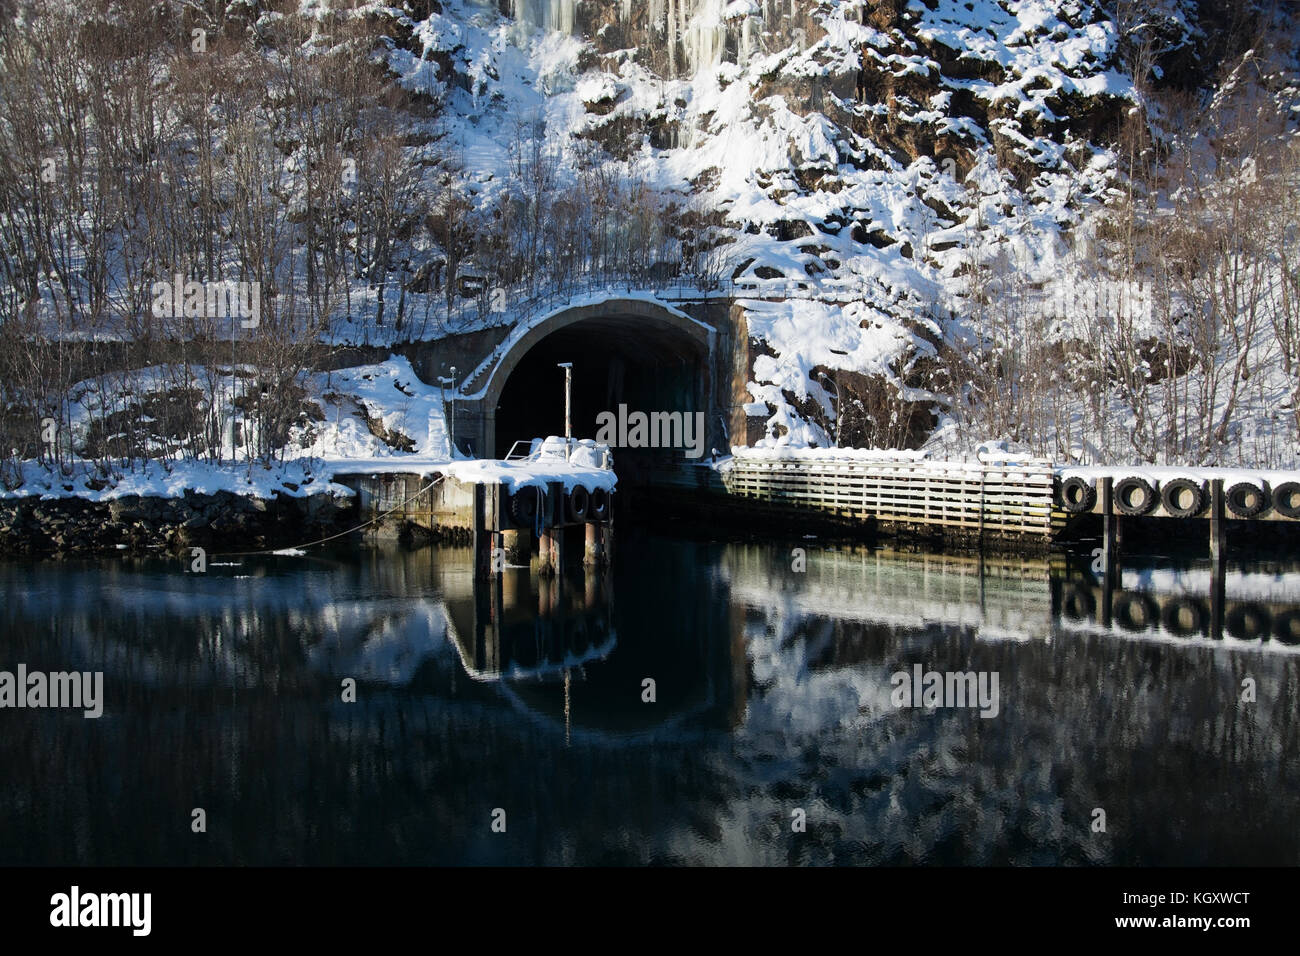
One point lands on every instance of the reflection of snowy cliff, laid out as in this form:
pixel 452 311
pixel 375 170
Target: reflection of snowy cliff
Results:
pixel 794 669
pixel 266 622
pixel 249 625
pixel 1087 719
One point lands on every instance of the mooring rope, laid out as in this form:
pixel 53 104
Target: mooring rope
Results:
pixel 341 534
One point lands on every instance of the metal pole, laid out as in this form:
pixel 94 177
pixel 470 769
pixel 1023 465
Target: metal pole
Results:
pixel 453 411
pixel 568 396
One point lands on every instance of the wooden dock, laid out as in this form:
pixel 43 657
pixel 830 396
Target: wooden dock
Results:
pixel 1021 503
pixel 527 526
pixel 1025 500
pixel 997 500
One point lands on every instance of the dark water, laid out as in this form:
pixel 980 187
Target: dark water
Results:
pixel 772 695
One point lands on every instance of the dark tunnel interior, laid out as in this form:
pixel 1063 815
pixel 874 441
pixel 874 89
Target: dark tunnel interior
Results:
pixel 648 368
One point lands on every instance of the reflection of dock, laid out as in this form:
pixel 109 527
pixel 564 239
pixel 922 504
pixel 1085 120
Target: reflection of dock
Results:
pixel 1212 616
pixel 998 596
pixel 562 649
pixel 515 624
pixel 1025 598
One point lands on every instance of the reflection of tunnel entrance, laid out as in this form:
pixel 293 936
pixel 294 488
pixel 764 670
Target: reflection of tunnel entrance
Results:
pixel 647 366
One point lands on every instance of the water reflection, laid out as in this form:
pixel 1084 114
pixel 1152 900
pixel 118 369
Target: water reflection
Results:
pixel 771 692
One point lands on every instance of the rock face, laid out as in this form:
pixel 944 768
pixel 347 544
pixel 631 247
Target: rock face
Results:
pixel 139 525
pixel 876 151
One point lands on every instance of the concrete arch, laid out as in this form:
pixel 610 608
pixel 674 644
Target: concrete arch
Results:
pixel 646 321
pixel 633 314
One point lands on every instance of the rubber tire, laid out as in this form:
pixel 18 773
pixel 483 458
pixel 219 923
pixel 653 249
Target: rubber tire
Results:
pixel 1282 496
pixel 1170 492
pixel 579 499
pixel 1078 604
pixel 1200 617
pixel 1237 623
pixel 1087 493
pixel 1286 628
pixel 523 507
pixel 598 509
pixel 1122 612
pixel 1235 499
pixel 1131 484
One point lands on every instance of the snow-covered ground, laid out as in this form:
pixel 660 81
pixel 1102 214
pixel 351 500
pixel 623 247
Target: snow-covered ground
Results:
pixel 387 397
pixel 390 392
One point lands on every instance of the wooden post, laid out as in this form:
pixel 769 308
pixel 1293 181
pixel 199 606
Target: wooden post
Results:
pixel 593 555
pixel 497 552
pixel 1218 547
pixel 1218 533
pixel 483 537
pixel 557 525
pixel 1112 533
pixel 1109 550
pixel 545 551
pixel 482 546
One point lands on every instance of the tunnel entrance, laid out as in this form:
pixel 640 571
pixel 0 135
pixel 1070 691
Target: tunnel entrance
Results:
pixel 647 366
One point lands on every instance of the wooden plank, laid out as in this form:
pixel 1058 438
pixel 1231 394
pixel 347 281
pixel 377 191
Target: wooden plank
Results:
pixel 1017 500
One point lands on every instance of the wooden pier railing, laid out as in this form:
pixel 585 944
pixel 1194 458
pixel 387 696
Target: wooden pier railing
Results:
pixel 996 499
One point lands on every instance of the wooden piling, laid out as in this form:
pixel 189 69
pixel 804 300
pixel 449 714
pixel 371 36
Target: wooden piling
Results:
pixel 546 552
pixel 482 532
pixel 593 555
pixel 1218 548
pixel 1109 551
pixel 555 491
pixel 1111 530
pixel 1218 531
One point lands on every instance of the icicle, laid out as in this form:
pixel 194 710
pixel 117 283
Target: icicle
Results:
pixel 545 14
pixel 747 43
pixel 562 15
pixel 672 38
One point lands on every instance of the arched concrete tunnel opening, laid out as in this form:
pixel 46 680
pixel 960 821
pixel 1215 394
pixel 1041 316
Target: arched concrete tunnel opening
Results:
pixel 645 365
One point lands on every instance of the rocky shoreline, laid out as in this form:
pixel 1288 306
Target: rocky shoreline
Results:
pixel 49 527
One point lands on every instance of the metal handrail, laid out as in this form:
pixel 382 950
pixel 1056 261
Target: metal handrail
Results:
pixel 510 455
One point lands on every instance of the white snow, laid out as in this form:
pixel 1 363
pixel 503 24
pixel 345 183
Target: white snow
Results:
pixel 389 392
pixel 1161 474
pixel 545 464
